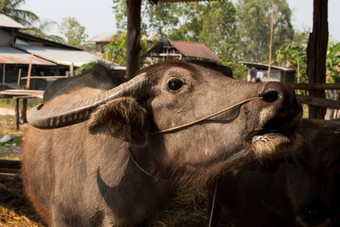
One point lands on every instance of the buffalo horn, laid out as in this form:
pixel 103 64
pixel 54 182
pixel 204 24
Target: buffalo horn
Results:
pixel 80 111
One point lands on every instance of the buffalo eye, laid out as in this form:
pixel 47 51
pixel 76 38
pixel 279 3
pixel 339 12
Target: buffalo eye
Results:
pixel 175 85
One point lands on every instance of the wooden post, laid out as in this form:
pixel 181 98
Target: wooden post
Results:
pixel 29 73
pixel 72 70
pixel 3 73
pixel 133 37
pixel 19 76
pixel 17 122
pixel 24 110
pixel 316 54
pixel 271 40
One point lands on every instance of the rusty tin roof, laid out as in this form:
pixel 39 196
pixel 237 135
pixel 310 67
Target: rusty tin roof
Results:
pixel 104 37
pixel 10 55
pixel 194 49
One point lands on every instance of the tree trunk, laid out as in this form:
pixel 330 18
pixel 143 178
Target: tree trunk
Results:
pixel 133 37
pixel 316 54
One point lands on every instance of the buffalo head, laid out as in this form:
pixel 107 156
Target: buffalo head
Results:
pixel 176 93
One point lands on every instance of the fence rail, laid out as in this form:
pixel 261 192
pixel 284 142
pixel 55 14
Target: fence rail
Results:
pixel 319 102
pixel 10 166
pixel 316 86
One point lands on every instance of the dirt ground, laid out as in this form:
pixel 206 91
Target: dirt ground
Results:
pixel 187 209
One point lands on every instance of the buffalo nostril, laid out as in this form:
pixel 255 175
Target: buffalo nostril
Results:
pixel 270 95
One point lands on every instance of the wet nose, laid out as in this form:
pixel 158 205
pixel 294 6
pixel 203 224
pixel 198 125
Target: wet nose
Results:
pixel 282 95
pixel 313 215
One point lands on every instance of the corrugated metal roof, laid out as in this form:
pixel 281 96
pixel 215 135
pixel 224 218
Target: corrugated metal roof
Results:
pixel 6 21
pixel 104 37
pixel 10 55
pixel 194 49
pixel 264 66
pixel 59 55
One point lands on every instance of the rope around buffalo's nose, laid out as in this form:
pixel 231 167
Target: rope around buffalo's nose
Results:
pixel 189 124
pixel 204 118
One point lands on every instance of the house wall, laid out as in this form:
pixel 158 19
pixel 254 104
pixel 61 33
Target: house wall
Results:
pixel 99 48
pixel 5 38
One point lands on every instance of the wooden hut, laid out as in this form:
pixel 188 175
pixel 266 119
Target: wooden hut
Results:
pixel 175 49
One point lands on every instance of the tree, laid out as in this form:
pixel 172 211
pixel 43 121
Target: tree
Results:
pixel 73 31
pixel 333 62
pixel 116 50
pixel 294 55
pixel 213 23
pixel 41 29
pixel 253 28
pixel 161 20
pixel 316 54
pixel 11 9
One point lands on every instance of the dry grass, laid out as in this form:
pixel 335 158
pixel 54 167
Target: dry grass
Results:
pixel 15 210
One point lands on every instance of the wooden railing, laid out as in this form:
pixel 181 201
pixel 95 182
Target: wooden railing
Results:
pixel 319 102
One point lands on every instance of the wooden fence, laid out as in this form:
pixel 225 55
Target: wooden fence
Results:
pixel 319 102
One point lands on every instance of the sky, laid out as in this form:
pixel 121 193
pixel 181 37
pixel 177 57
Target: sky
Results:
pixel 97 16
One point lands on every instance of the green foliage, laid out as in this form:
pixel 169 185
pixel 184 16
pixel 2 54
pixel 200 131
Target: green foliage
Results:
pixel 73 31
pixel 116 50
pixel 120 12
pixel 253 21
pixel 11 9
pixel 41 29
pixel 294 55
pixel 84 68
pixel 218 25
pixel 234 34
pixel 239 70
pixel 333 61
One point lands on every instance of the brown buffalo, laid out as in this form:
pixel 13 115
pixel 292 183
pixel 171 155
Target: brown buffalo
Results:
pixel 99 159
pixel 298 193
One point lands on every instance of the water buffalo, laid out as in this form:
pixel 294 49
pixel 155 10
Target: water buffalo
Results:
pixel 98 157
pixel 299 193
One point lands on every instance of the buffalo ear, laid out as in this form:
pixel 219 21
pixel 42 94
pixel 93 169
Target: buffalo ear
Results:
pixel 122 118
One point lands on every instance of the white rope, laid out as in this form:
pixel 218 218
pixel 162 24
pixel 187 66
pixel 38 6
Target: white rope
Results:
pixel 213 206
pixel 204 118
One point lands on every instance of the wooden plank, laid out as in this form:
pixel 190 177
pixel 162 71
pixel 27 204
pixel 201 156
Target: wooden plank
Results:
pixel 29 73
pixel 320 102
pixel 44 77
pixel 10 164
pixel 133 38
pixel 6 170
pixel 319 123
pixel 22 93
pixel 316 86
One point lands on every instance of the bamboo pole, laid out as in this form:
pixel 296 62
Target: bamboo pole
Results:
pixel 271 40
pixel 29 73
pixel 19 76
